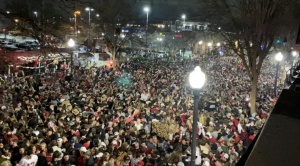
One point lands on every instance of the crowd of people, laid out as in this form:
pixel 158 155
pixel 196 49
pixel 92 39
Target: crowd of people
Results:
pixel 138 114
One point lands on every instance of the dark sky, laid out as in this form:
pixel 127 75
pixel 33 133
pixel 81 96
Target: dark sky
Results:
pixel 162 10
pixel 2 4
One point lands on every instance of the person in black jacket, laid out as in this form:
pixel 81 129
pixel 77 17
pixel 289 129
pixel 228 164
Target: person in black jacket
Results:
pixel 57 158
pixel 16 158
pixel 41 160
pixel 68 159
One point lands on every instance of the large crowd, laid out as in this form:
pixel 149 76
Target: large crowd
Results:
pixel 138 114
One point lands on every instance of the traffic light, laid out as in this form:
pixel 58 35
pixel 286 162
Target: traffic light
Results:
pixel 278 41
pixel 111 63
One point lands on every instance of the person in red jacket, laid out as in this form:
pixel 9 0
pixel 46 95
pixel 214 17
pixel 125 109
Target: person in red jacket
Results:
pixel 140 160
pixel 9 136
pixel 80 159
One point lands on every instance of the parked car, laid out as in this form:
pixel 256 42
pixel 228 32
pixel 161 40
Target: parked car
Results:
pixel 9 45
pixel 28 47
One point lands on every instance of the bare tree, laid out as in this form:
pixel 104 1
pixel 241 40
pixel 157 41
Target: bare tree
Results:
pixel 40 18
pixel 183 40
pixel 253 25
pixel 115 14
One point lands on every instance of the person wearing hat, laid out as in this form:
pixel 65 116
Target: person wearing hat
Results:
pixel 225 158
pixel 60 143
pixel 126 161
pixel 71 145
pixel 30 159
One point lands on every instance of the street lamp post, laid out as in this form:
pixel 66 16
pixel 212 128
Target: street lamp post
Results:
pixel 35 13
pixel 71 44
pixel 75 22
pixel 16 21
pixel 160 43
pixel 147 9
pixel 196 79
pixel 89 10
pixel 209 44
pixel 89 31
pixel 183 17
pixel 294 54
pixel 278 58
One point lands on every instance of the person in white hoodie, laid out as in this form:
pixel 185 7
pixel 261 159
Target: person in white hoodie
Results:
pixel 29 160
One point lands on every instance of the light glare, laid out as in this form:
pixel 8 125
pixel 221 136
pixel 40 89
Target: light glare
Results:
pixel 197 78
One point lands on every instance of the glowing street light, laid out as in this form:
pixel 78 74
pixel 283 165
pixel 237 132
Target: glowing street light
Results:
pixel 147 10
pixel 71 44
pixel 218 44
pixel 294 53
pixel 278 58
pixel 35 13
pixel 89 10
pixel 200 42
pixel 196 79
pixel 183 17
pixel 209 44
pixel 77 12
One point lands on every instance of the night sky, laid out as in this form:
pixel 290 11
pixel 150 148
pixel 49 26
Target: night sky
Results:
pixel 161 10
pixel 168 10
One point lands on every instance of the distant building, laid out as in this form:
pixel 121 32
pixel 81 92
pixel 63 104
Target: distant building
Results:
pixel 170 26
pixel 163 1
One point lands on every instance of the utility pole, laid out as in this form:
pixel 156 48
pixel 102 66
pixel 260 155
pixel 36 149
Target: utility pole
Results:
pixel 42 18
